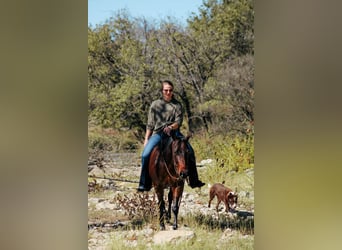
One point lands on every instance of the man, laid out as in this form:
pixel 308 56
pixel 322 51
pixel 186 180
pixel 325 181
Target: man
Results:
pixel 165 115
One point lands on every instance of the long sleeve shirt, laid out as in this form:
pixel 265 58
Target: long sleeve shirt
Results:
pixel 162 113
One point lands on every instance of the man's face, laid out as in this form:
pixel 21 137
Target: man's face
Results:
pixel 167 92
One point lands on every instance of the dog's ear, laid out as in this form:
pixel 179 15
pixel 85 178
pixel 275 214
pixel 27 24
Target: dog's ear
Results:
pixel 231 193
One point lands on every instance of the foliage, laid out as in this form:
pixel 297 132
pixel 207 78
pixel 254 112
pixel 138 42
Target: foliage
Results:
pixel 230 153
pixel 226 26
pixel 220 221
pixel 100 140
pixel 210 62
pixel 203 240
pixel 138 206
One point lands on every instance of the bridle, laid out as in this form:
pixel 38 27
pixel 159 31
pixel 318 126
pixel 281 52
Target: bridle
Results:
pixel 176 178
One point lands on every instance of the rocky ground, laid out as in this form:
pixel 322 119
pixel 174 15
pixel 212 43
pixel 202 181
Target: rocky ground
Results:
pixel 113 202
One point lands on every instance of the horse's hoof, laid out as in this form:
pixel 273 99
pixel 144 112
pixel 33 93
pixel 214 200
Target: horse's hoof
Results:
pixel 174 227
pixel 162 227
pixel 143 189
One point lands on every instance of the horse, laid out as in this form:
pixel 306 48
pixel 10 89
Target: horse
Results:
pixel 168 168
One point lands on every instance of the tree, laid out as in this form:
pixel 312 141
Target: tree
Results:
pixel 226 26
pixel 128 58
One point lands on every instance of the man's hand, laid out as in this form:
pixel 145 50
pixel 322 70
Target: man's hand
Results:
pixel 167 130
pixel 145 142
pixel 147 136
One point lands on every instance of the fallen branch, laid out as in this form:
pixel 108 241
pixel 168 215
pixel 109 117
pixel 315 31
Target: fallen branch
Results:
pixel 112 179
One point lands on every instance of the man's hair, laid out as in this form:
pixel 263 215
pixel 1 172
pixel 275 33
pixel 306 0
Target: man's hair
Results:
pixel 167 82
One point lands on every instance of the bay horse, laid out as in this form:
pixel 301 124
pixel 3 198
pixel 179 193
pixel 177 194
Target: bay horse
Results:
pixel 168 169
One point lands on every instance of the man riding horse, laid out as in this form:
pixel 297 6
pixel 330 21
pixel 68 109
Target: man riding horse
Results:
pixel 165 116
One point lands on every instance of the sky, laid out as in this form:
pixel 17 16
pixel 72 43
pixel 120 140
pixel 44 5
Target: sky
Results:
pixel 100 10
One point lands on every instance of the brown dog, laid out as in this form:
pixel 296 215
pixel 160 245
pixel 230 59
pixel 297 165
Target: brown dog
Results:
pixel 223 194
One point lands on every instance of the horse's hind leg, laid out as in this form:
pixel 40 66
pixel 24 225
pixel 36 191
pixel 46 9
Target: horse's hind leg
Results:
pixel 161 205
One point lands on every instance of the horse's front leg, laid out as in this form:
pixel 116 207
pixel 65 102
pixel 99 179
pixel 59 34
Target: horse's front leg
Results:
pixel 168 212
pixel 161 205
pixel 177 197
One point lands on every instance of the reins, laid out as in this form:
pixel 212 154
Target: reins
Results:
pixel 167 169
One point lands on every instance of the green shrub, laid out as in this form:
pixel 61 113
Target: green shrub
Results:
pixel 229 154
pixel 100 139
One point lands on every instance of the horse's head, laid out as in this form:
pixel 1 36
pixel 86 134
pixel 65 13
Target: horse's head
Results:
pixel 180 152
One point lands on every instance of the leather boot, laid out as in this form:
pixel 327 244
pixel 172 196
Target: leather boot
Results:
pixel 194 182
pixel 145 182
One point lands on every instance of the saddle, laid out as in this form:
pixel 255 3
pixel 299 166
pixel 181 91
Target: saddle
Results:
pixel 166 141
pixel 163 145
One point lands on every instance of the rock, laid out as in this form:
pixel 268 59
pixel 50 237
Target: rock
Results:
pixel 96 171
pixel 205 162
pixel 91 167
pixel 172 236
pixel 106 205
